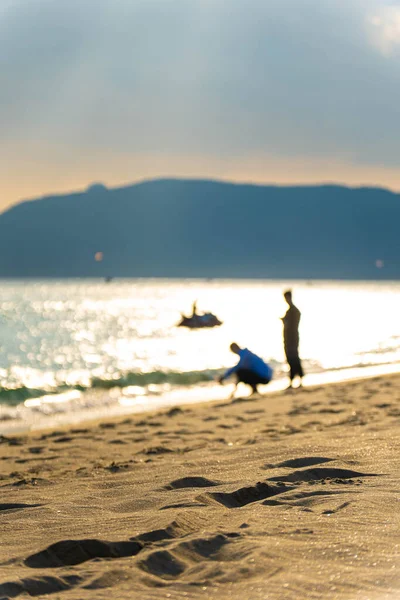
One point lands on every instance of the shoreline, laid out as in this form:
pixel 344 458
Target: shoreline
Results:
pixel 116 402
pixel 280 497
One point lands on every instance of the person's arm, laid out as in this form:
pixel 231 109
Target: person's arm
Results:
pixel 230 371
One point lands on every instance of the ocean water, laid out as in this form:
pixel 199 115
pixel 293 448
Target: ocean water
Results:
pixel 83 348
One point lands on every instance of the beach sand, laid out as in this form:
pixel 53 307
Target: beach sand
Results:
pixel 286 496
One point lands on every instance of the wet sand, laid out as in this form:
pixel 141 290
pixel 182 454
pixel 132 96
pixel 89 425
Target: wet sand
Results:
pixel 286 496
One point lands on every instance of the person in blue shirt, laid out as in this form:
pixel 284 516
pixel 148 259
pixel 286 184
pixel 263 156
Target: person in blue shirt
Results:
pixel 251 369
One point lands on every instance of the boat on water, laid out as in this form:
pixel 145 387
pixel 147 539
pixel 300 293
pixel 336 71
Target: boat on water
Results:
pixel 200 321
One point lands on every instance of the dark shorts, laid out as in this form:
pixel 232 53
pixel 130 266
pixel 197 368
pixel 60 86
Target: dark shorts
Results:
pixel 250 377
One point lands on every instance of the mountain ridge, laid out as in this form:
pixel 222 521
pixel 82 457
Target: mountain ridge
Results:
pixel 169 227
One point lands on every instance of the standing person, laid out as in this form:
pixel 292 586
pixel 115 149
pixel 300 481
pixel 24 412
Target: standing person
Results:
pixel 291 322
pixel 250 369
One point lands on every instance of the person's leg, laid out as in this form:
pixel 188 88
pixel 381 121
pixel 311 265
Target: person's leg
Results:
pixel 297 368
pixel 292 367
pixel 291 371
pixel 300 372
pixel 231 397
pixel 300 369
pixel 250 378
pixel 263 381
pixel 289 356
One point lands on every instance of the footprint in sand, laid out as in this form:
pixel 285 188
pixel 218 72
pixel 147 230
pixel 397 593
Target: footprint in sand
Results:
pixel 246 420
pixel 36 449
pixel 120 467
pixel 107 425
pixel 163 564
pixel 191 482
pixel 299 410
pixel 52 434
pixel 183 431
pixel 11 441
pixel 333 511
pixel 36 481
pixel 16 506
pixel 305 500
pixel 39 587
pixel 245 495
pixel 108 580
pixel 156 450
pixel 77 431
pixel 394 412
pixel 297 463
pixel 184 505
pixel 174 411
pixel 142 423
pixel 182 551
pixel 172 564
pixel 75 552
pixel 320 474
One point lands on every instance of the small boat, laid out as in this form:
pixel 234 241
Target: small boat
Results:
pixel 199 321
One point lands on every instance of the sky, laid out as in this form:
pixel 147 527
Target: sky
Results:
pixel 266 91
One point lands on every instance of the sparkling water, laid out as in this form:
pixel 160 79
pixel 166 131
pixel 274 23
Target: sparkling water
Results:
pixel 71 345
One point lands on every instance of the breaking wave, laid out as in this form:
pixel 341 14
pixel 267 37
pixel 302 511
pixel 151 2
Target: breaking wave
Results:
pixel 13 396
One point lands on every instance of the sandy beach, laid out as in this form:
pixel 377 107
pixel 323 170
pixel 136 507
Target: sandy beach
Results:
pixel 285 496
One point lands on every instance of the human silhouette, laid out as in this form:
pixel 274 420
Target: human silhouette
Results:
pixel 291 322
pixel 251 369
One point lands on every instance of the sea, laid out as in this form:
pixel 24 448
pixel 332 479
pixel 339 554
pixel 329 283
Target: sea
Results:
pixel 72 350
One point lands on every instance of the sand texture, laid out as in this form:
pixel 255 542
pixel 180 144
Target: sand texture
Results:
pixel 286 496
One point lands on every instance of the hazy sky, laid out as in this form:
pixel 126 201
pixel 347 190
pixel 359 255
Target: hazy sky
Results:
pixel 250 90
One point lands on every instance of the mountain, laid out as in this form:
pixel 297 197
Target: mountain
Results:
pixel 199 228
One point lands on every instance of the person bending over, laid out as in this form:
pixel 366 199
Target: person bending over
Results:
pixel 250 369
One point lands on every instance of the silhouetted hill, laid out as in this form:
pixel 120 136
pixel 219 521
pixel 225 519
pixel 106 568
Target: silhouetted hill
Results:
pixel 178 228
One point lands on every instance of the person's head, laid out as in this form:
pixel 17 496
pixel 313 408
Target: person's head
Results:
pixel 234 348
pixel 288 296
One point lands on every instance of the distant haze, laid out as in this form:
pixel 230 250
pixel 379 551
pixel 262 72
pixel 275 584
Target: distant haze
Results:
pixel 117 91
